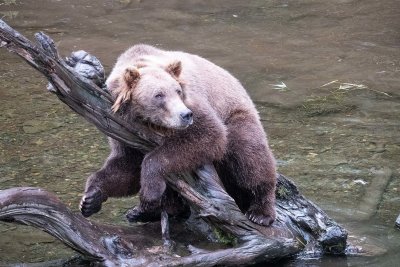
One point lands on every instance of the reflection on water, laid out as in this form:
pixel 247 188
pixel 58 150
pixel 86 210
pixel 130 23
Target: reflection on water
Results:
pixel 334 127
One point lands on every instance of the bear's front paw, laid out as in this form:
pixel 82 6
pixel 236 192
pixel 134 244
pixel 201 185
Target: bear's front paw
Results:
pixel 136 214
pixel 257 216
pixel 91 202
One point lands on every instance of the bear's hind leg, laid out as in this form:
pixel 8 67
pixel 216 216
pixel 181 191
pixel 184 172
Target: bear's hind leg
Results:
pixel 252 169
pixel 172 203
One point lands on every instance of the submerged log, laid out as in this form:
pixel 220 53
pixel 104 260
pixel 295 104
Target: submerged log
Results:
pixel 78 81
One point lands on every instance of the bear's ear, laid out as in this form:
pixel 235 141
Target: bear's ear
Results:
pixel 175 68
pixel 125 88
pixel 131 76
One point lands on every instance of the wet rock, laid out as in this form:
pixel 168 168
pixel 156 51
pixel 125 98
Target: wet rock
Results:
pixel 333 240
pixel 360 181
pixel 376 147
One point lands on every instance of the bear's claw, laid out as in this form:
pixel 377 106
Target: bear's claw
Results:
pixel 91 202
pixel 136 214
pixel 259 218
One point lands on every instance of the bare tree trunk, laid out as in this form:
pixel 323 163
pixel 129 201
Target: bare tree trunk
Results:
pixel 78 81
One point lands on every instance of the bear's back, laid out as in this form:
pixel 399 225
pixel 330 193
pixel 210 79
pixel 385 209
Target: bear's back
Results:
pixel 207 81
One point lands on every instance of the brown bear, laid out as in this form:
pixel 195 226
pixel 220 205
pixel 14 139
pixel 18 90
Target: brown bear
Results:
pixel 201 114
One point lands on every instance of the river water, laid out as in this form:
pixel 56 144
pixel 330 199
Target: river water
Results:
pixel 325 76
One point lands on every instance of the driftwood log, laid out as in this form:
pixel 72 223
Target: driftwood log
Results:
pixel 78 81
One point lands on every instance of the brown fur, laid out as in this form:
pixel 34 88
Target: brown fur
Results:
pixel 123 87
pixel 226 130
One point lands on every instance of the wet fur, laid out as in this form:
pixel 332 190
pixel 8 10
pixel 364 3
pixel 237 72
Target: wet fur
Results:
pixel 226 131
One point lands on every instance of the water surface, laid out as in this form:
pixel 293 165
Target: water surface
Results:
pixel 325 76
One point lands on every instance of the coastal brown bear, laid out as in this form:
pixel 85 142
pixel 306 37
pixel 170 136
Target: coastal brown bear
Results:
pixel 201 114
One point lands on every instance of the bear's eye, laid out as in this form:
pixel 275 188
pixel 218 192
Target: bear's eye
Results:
pixel 159 96
pixel 179 91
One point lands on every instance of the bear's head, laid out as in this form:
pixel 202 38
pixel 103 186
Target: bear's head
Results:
pixel 153 94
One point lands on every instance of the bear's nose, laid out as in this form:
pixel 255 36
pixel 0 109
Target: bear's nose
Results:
pixel 187 117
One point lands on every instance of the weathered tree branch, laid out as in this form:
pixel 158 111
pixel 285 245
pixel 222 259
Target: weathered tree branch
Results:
pixel 78 82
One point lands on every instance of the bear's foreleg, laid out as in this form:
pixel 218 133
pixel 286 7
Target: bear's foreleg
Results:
pixel 201 143
pixel 118 177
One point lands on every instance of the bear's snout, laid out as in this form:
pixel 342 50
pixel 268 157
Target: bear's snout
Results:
pixel 187 117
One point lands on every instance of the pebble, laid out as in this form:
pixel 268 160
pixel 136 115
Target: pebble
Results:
pixel 376 147
pixel 360 181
